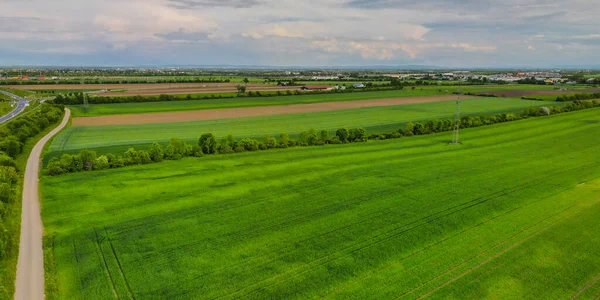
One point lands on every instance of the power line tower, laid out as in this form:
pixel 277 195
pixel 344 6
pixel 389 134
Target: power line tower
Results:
pixel 455 140
pixel 85 100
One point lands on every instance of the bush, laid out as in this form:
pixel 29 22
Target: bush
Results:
pixel 342 134
pixel 208 143
pixel 544 111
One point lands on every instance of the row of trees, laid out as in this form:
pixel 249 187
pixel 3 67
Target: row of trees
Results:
pixel 13 136
pixel 176 149
pixel 114 81
pixel 208 144
pixel 77 98
pixel 580 96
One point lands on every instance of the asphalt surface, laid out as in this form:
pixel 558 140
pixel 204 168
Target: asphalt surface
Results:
pixel 30 267
pixel 21 104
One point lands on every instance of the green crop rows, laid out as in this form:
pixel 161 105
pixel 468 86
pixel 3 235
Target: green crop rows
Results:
pixel 374 119
pixel 513 212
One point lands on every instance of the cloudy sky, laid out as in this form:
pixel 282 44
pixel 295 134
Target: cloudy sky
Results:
pixel 453 33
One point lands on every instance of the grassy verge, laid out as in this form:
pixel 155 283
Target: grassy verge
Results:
pixel 8 266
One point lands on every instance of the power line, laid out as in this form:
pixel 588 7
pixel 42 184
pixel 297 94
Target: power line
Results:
pixel 455 140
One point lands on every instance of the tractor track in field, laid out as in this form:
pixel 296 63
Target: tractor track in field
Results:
pixel 386 236
pixel 512 246
pixel 585 287
pixel 241 112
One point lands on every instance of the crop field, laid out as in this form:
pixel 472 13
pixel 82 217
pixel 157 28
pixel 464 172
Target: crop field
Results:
pixel 513 212
pixel 187 105
pixel 373 119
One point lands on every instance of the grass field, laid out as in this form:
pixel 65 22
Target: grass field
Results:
pixel 373 119
pixel 152 107
pixel 513 212
pixel 5 108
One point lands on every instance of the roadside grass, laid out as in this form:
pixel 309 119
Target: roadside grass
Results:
pixel 373 119
pixel 8 266
pixel 384 219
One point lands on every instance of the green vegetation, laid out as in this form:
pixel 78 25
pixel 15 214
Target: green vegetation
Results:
pixel 87 160
pixel 5 108
pixel 169 106
pixel 373 119
pixel 17 138
pixel 129 108
pixel 514 209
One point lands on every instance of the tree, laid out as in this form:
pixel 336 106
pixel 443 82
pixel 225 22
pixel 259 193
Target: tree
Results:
pixel 270 142
pixel 311 139
pixel 12 146
pixel 131 157
pixel 342 134
pixel 241 88
pixel 410 127
pixel 6 160
pixel 284 140
pixel 249 144
pixel 208 143
pixel 88 159
pixel 357 135
pixel 156 153
pixel 324 136
pixel 544 111
pixel 54 167
pixel 101 163
pixel 246 80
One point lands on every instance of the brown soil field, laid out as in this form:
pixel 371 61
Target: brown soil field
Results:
pixel 215 114
pixel 529 93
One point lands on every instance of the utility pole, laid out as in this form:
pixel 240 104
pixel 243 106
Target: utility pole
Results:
pixel 455 140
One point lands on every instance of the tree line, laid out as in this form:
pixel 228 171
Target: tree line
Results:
pixel 13 136
pixel 580 96
pixel 78 98
pixel 208 144
pixel 112 81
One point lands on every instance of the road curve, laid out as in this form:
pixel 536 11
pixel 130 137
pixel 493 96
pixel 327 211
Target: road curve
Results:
pixel 30 268
pixel 21 104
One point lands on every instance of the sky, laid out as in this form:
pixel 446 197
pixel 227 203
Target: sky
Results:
pixel 448 33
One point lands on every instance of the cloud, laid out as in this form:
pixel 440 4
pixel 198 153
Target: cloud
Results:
pixel 329 32
pixel 182 35
pixel 191 4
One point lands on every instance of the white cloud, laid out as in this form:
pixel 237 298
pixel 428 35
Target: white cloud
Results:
pixel 338 31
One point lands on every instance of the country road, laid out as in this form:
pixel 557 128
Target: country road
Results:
pixel 30 268
pixel 21 104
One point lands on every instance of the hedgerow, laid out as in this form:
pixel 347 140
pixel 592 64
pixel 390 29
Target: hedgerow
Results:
pixel 208 144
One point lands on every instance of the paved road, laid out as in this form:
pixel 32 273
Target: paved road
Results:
pixel 21 104
pixel 30 268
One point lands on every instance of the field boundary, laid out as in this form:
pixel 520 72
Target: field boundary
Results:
pixel 231 113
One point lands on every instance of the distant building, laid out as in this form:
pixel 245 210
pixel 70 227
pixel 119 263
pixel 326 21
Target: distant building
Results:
pixel 316 88
pixel 358 86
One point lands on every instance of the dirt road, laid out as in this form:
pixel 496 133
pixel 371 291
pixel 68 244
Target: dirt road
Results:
pixel 230 113
pixel 30 268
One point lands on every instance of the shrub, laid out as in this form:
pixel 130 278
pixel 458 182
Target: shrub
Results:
pixel 342 134
pixel 208 143
pixel 544 111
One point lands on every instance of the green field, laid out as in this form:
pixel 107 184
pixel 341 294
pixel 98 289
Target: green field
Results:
pixel 513 212
pixel 185 105
pixel 373 119
pixel 152 107
pixel 5 108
